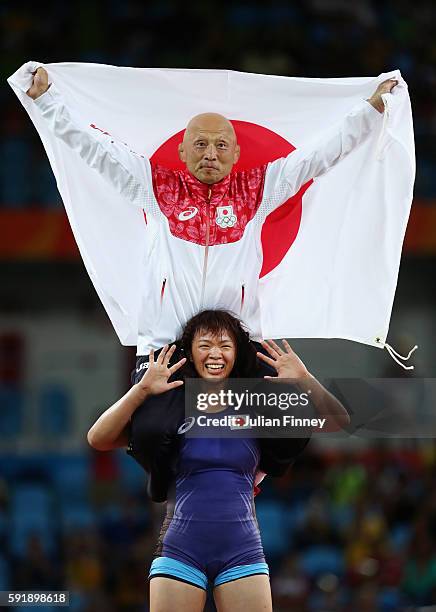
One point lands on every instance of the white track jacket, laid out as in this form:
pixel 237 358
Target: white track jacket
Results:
pixel 203 242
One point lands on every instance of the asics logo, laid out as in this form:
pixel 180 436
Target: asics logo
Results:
pixel 186 425
pixel 144 366
pixel 187 214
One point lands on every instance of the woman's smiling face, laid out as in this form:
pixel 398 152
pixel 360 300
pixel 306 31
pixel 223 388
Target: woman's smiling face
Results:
pixel 213 354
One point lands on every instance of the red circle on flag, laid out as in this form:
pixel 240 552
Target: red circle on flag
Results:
pixel 259 145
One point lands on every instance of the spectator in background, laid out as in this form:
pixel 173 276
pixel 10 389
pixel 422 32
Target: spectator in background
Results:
pixel 36 570
pixel 419 580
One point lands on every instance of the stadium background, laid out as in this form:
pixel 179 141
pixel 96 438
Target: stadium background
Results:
pixel 353 526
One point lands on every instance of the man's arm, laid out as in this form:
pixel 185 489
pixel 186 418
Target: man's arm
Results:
pixel 126 170
pixel 286 176
pixel 376 99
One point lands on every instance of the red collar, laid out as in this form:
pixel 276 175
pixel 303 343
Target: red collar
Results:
pixel 199 189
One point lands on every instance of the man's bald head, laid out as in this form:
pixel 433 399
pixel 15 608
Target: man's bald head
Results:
pixel 210 122
pixel 209 147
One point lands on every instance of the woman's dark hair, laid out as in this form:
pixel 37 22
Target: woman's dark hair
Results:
pixel 217 322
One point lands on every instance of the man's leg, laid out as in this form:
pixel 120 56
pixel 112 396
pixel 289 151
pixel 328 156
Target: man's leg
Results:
pixel 264 368
pixel 277 454
pixel 153 431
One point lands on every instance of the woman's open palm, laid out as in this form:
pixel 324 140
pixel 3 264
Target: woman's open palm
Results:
pixel 286 363
pixel 155 379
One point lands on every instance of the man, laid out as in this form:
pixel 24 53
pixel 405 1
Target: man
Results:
pixel 203 238
pixel 203 223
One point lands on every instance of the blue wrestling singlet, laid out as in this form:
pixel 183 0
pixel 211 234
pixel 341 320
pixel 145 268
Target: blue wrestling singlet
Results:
pixel 210 530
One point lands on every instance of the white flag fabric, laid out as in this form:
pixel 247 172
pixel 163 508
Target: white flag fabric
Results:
pixel 332 273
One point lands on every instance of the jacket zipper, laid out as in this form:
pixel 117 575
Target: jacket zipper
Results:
pixel 242 296
pixel 162 291
pixel 206 249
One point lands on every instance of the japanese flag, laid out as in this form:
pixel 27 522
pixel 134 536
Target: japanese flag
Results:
pixel 331 256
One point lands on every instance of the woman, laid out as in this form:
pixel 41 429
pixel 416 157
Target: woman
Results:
pixel 210 530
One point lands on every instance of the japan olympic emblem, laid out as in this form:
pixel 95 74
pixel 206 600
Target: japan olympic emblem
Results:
pixel 187 214
pixel 241 421
pixel 225 217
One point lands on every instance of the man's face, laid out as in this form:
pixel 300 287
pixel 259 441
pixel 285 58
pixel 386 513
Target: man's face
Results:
pixel 209 148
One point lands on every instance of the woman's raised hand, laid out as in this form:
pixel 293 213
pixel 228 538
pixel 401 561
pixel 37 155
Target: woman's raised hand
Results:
pixel 155 379
pixel 286 363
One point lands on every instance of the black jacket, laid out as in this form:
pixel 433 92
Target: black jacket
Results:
pixel 154 440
